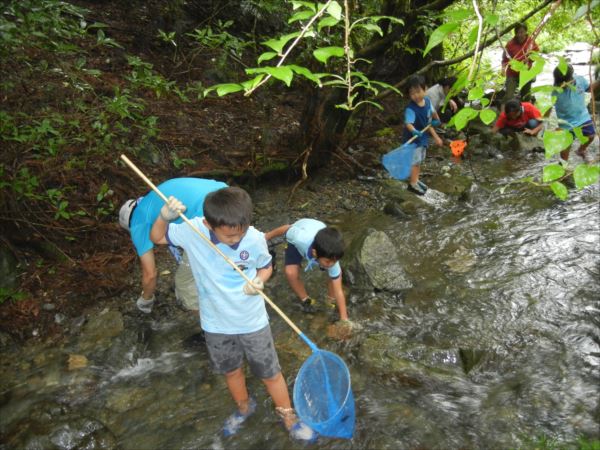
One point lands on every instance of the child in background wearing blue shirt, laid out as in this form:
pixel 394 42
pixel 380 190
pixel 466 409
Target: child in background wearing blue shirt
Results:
pixel 232 313
pixel 418 114
pixel 320 246
pixel 571 108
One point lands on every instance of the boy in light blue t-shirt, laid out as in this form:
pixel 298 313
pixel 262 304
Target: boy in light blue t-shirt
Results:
pixel 320 246
pixel 232 313
pixel 571 109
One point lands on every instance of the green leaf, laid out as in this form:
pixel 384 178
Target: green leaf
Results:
pixel 300 4
pixel 326 22
pixel 552 172
pixel 439 34
pixel 462 118
pixel 583 9
pixel 473 36
pixel 226 88
pixel 560 190
pixel 335 10
pixel 517 65
pixel 585 175
pixel 487 116
pixel 563 65
pixel 579 135
pixel 556 141
pixel 251 84
pixel 278 44
pixel 371 27
pixel 302 15
pixel 266 57
pixel 526 76
pixel 476 93
pixel 459 14
pixel 492 19
pixel 324 53
pixel 316 78
pixel 484 102
pixel 283 73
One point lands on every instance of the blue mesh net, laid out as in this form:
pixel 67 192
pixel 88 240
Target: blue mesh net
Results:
pixel 398 162
pixel 323 395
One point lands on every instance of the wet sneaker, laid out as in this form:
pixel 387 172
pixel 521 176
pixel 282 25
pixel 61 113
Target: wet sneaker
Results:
pixel 235 421
pixel 416 189
pixel 303 433
pixel 145 306
pixel 422 185
pixel 308 305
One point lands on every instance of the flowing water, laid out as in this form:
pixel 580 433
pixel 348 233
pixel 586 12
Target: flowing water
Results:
pixel 499 333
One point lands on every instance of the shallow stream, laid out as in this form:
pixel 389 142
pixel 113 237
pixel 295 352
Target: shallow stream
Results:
pixel 501 326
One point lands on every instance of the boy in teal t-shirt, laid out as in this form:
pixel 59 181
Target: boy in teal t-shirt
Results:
pixel 232 313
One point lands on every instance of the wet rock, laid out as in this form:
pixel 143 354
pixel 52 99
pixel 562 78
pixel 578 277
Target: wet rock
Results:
pixel 105 325
pixel 524 143
pixel 77 362
pixel 461 260
pixel 409 363
pixel 455 184
pixel 373 262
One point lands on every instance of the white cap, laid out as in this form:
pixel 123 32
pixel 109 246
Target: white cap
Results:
pixel 126 211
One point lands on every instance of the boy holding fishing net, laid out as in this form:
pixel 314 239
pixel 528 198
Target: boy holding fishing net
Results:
pixel 233 314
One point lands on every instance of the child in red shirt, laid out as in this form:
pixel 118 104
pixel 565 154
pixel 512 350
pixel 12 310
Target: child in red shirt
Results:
pixel 519 116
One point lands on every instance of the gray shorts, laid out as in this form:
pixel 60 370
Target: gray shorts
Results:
pixel 419 156
pixel 227 352
pixel 185 285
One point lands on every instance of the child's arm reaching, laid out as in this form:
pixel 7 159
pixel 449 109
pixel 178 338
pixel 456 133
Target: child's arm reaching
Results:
pixel 258 284
pixel 169 212
pixel 279 231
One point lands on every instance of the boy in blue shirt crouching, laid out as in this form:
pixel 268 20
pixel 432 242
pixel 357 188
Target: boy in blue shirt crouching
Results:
pixel 232 313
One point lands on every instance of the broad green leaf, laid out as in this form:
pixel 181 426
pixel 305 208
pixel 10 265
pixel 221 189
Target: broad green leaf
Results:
pixel 439 34
pixel 459 14
pixel 546 89
pixel 492 19
pixel 556 141
pixel 324 53
pixel 473 36
pixel 583 9
pixel 526 76
pixel 462 118
pixel 266 56
pixel 487 116
pixel 584 175
pixel 251 84
pixel 517 65
pixel 300 4
pixel 563 65
pixel 484 102
pixel 476 93
pixel 316 78
pixel 227 88
pixel 278 44
pixel 326 22
pixel 552 172
pixel 544 104
pixel 302 15
pixel 283 73
pixel 579 135
pixel 560 190
pixel 335 10
pixel 371 27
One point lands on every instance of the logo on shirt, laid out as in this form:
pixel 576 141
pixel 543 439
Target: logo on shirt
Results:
pixel 244 255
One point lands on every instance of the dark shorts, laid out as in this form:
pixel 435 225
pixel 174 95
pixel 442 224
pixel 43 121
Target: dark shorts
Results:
pixel 227 351
pixel 292 255
pixel 587 129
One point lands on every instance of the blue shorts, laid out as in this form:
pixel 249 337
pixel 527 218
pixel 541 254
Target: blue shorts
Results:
pixel 587 129
pixel 227 351
pixel 419 155
pixel 292 255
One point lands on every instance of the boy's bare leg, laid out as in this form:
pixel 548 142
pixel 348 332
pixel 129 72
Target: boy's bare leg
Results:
pixel 292 273
pixel 414 174
pixel 236 383
pixel 278 390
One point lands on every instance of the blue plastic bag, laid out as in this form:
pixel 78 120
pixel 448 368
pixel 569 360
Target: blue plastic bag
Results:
pixel 398 162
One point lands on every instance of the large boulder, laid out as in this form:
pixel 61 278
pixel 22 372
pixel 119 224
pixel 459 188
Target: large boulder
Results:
pixel 372 262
